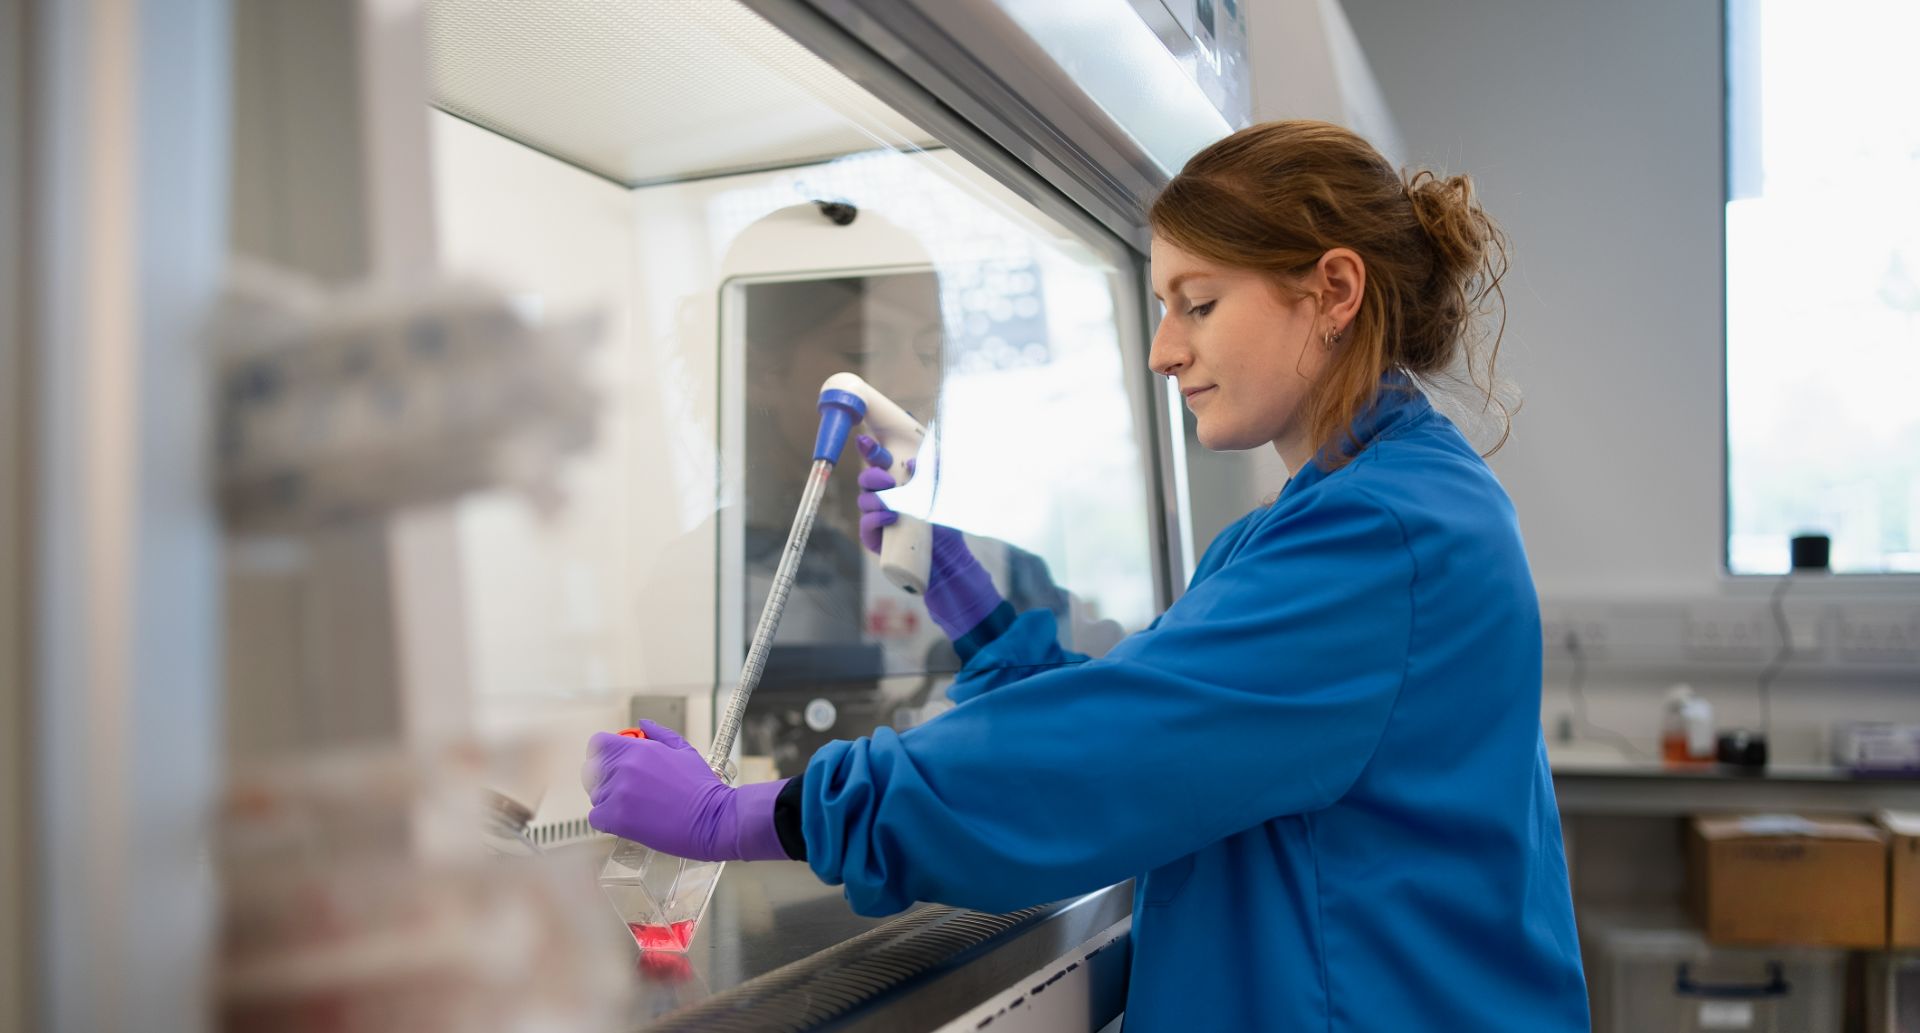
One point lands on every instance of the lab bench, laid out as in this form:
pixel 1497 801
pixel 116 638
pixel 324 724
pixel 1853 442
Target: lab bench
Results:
pixel 1592 782
pixel 1624 819
pixel 778 950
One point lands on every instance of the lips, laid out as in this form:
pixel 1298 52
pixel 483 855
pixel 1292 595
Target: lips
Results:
pixel 1192 391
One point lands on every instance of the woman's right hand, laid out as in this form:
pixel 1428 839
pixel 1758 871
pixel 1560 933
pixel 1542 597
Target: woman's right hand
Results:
pixel 960 593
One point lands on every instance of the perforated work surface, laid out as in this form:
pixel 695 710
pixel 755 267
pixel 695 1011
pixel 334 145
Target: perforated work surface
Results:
pixel 645 91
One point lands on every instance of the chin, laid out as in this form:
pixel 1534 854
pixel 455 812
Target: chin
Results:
pixel 1215 439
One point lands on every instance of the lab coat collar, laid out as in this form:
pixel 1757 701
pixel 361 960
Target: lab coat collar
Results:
pixel 1397 403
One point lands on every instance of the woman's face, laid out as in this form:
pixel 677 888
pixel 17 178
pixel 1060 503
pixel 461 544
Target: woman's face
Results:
pixel 1244 353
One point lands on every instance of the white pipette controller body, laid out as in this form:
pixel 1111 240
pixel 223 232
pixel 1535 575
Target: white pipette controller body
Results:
pixel 847 402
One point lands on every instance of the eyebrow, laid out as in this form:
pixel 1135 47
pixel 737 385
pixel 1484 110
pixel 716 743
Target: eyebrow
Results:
pixel 1173 285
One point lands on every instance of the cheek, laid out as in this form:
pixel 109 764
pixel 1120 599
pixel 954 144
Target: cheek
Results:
pixel 1258 354
pixel 1288 357
pixel 1265 368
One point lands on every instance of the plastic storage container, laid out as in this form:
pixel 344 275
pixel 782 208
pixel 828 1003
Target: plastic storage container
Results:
pixel 1893 993
pixel 1666 978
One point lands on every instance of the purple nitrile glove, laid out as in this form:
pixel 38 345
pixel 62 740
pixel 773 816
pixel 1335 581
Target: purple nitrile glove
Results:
pixel 659 792
pixel 960 592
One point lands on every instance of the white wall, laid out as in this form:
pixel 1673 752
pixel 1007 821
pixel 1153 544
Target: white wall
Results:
pixel 1594 133
pixel 1307 63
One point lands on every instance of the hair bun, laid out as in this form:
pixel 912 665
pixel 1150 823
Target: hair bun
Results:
pixel 1454 222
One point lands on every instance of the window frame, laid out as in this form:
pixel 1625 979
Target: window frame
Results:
pixel 1834 583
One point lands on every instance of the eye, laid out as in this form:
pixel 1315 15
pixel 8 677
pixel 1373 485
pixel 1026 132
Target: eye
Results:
pixel 1201 310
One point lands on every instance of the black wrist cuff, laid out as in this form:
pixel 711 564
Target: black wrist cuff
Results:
pixel 786 817
pixel 983 634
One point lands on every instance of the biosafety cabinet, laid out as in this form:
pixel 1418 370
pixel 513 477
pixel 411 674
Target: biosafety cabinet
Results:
pixel 741 200
pixel 503 326
pixel 747 219
pixel 753 198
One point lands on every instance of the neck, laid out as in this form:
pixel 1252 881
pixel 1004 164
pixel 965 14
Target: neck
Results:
pixel 1294 452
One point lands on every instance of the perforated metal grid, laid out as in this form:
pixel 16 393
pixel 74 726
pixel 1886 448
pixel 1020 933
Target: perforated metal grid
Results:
pixel 648 91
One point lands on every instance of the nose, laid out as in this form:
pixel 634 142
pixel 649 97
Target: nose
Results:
pixel 1169 353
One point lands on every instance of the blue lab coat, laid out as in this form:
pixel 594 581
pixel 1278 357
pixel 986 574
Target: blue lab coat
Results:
pixel 1323 764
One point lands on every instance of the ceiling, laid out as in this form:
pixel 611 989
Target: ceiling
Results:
pixel 650 91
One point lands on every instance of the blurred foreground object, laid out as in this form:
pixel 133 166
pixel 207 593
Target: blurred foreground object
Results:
pixel 360 894
pixel 343 404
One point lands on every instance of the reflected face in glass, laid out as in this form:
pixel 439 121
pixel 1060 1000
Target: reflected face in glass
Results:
pixel 884 328
pixel 1242 350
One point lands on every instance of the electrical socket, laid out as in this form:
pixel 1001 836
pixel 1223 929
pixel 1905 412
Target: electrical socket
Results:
pixel 1735 633
pixel 1881 638
pixel 1708 638
pixel 1561 635
pixel 1562 627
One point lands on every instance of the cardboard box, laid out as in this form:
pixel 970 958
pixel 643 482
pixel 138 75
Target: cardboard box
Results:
pixel 1779 879
pixel 1903 879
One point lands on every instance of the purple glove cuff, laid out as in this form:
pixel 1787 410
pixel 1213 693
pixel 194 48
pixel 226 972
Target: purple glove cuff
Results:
pixel 756 839
pixel 960 593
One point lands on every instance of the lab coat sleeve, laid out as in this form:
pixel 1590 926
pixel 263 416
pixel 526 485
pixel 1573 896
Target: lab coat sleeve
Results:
pixel 1030 645
pixel 1261 693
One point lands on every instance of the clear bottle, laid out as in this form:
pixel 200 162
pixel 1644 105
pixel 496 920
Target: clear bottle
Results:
pixel 1686 728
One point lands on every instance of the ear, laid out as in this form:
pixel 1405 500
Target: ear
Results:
pixel 1342 282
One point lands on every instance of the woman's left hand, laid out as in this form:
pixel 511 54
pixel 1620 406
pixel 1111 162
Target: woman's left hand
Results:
pixel 659 791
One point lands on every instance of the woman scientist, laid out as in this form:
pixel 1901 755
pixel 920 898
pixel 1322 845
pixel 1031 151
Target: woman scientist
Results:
pixel 1323 764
